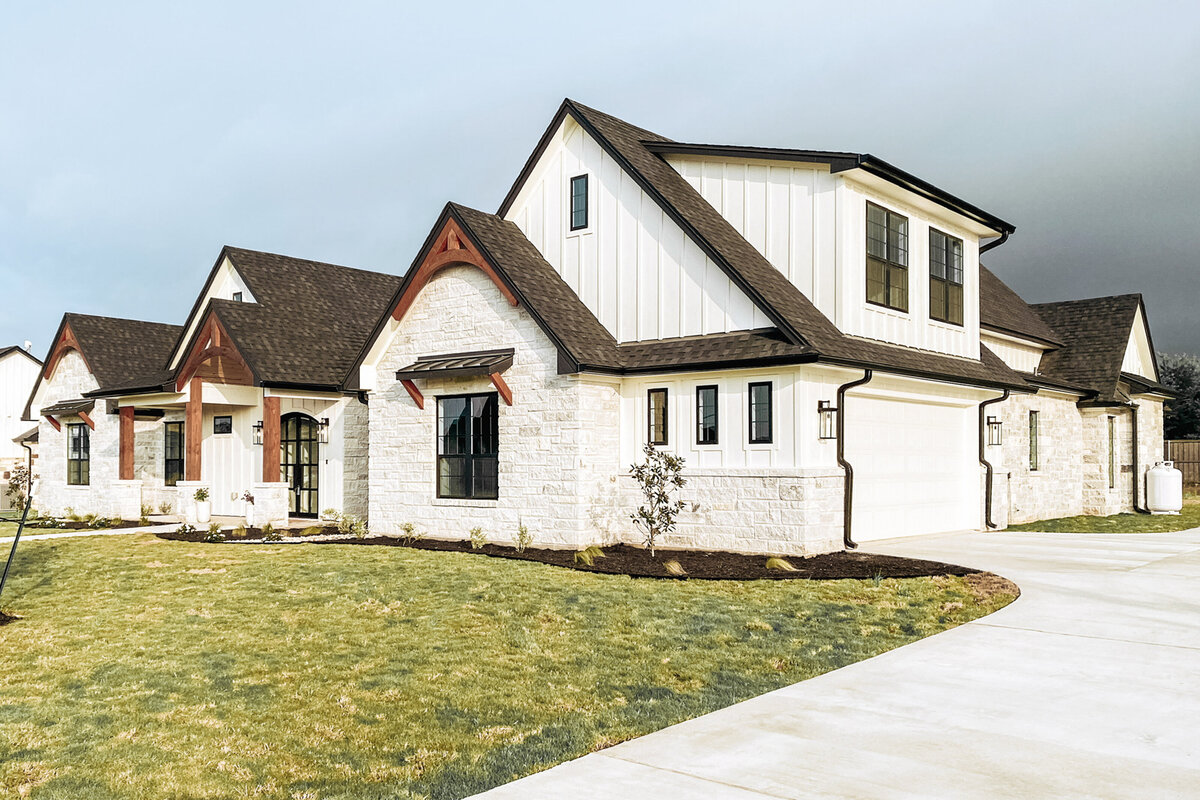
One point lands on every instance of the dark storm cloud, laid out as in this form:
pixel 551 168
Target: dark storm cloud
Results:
pixel 135 141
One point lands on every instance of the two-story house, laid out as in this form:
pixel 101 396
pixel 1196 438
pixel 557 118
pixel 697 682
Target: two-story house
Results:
pixel 813 331
pixel 18 371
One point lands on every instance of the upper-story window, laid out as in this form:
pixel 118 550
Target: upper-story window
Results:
pixel 887 258
pixel 579 202
pixel 79 455
pixel 945 277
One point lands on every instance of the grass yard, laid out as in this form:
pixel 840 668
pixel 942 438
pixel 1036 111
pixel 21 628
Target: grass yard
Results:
pixel 8 528
pixel 1189 517
pixel 148 669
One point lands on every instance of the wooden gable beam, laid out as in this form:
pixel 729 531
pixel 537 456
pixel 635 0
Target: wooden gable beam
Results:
pixel 451 248
pixel 66 342
pixel 212 343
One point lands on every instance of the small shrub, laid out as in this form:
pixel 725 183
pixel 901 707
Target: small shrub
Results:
pixel 409 534
pixel 330 515
pixel 165 507
pixel 312 530
pixel 239 532
pixel 478 539
pixel 674 568
pixel 345 522
pixel 269 534
pixel 359 528
pixel 201 495
pixel 96 523
pixel 147 510
pixel 588 555
pixel 214 533
pixel 780 565
pixel 659 477
pixel 18 481
pixel 185 529
pixel 72 516
pixel 523 539
pixel 877 579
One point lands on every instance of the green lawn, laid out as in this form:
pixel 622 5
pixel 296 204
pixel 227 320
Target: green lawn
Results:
pixel 150 669
pixel 1121 523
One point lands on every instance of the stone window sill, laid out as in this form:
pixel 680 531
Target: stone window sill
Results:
pixel 464 503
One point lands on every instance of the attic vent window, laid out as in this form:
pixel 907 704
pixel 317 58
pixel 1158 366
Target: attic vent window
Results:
pixel 579 202
pixel 237 297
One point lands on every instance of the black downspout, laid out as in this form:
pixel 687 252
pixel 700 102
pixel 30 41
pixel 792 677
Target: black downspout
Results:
pixel 983 248
pixel 848 485
pixel 987 465
pixel 1136 469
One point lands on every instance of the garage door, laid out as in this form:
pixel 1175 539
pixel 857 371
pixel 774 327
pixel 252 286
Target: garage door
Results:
pixel 916 467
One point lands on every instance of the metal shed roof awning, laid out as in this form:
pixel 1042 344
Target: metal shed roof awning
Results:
pixel 489 363
pixel 78 408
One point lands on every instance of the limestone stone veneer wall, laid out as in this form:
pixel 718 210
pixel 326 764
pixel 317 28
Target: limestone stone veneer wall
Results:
pixel 1055 488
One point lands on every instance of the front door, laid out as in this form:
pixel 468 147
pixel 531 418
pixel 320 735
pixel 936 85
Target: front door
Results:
pixel 300 459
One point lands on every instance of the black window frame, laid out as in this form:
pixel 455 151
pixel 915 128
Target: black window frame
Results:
pixel 572 210
pixel 237 297
pixel 666 416
pixel 943 288
pixel 79 460
pixel 889 268
pixel 1035 455
pixel 228 417
pixel 173 466
pixel 752 436
pixel 701 433
pixel 476 455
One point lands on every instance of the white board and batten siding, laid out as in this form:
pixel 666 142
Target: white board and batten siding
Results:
pixel 18 374
pixel 632 266
pixel 811 226
pixel 1139 358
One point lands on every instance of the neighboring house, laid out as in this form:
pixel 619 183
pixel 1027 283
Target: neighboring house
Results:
pixel 18 371
pixel 812 331
pixel 245 396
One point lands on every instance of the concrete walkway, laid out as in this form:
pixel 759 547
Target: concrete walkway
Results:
pixel 1086 686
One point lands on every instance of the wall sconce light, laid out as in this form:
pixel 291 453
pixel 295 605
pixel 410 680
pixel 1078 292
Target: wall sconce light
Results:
pixel 256 436
pixel 828 414
pixel 995 430
pixel 323 431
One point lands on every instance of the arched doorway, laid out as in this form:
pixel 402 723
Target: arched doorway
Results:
pixel 300 461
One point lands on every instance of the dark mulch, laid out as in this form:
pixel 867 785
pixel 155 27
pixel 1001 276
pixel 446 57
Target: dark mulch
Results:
pixel 624 559
pixel 67 525
pixel 252 534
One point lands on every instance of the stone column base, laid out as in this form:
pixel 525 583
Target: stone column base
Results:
pixel 271 503
pixel 126 499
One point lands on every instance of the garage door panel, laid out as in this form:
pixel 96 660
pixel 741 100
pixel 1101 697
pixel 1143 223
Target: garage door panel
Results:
pixel 914 467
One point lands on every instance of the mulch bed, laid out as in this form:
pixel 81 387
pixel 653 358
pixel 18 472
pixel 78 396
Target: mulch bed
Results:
pixel 67 525
pixel 252 534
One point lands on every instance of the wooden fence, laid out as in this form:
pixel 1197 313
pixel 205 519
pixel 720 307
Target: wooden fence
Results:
pixel 1186 455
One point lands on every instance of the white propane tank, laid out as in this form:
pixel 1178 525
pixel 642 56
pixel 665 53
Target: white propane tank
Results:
pixel 1164 488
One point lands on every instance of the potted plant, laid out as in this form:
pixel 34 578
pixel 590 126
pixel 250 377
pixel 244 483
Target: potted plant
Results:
pixel 249 500
pixel 203 506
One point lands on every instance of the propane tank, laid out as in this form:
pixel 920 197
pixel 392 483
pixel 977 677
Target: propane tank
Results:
pixel 1164 488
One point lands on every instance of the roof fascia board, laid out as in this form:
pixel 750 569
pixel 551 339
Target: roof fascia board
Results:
pixel 42 377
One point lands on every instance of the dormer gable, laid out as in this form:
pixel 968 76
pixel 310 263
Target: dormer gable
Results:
pixel 224 282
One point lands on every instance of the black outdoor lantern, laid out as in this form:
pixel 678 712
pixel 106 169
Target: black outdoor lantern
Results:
pixel 323 431
pixel 828 414
pixel 995 431
pixel 257 436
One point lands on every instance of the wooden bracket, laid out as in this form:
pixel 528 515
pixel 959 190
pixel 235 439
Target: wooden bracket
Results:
pixel 414 393
pixel 54 422
pixel 501 387
pixel 83 415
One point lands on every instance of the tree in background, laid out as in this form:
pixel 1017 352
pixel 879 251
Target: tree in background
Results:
pixel 1180 372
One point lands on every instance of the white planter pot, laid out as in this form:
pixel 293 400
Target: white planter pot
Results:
pixel 249 515
pixel 203 511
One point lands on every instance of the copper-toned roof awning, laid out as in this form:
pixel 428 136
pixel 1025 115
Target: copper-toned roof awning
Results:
pixel 68 407
pixel 458 365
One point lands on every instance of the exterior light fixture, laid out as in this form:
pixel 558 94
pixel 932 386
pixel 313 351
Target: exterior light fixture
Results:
pixel 828 414
pixel 995 431
pixel 257 436
pixel 323 431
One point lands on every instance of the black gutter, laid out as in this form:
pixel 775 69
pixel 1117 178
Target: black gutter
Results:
pixel 987 465
pixel 848 484
pixel 983 248
pixel 1133 409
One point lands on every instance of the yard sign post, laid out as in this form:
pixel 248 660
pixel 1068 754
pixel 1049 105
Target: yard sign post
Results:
pixel 13 552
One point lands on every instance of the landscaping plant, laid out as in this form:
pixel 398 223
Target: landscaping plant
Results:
pixel 478 539
pixel 200 495
pixel 409 535
pixel 588 555
pixel 523 539
pixel 269 534
pixel 214 533
pixel 165 507
pixel 18 482
pixel 660 476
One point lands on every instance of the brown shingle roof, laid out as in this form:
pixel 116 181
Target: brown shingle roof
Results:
pixel 124 353
pixel 1095 333
pixel 1002 309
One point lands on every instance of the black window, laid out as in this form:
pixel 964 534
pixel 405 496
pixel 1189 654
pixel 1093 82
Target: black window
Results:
pixel 237 297
pixel 468 443
pixel 579 202
pixel 79 455
pixel 887 258
pixel 222 424
pixel 945 277
pixel 172 453
pixel 656 409
pixel 1112 452
pixel 1033 440
pixel 706 415
pixel 760 413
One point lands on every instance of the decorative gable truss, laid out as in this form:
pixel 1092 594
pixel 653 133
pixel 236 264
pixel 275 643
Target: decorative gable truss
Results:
pixel 214 357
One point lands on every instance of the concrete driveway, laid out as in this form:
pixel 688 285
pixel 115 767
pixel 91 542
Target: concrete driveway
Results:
pixel 1086 686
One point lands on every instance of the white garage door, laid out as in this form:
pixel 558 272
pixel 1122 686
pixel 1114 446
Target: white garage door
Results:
pixel 916 467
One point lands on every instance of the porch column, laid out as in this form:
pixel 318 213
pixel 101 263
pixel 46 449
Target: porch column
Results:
pixel 270 445
pixel 125 445
pixel 192 432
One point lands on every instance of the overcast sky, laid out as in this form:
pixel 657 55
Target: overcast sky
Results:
pixel 138 138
